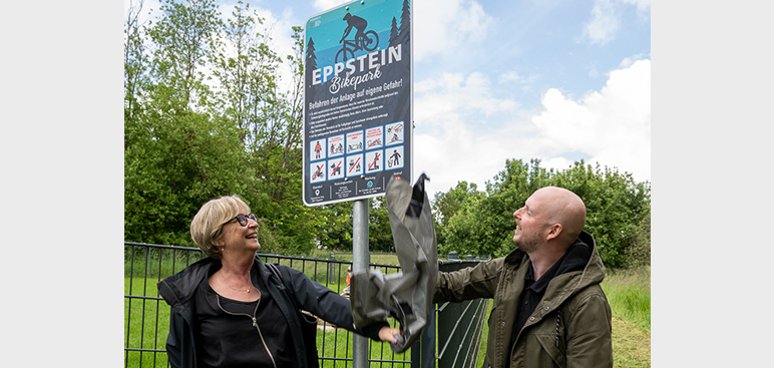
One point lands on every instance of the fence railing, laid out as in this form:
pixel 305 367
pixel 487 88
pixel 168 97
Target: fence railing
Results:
pixel 146 314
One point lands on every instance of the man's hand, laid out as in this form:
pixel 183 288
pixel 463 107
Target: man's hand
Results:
pixel 387 334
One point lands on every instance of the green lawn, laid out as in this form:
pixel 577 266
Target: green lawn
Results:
pixel 628 293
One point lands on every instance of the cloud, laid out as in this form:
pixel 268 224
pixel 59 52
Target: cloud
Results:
pixel 605 18
pixel 458 94
pixel 446 26
pixel 525 82
pixel 603 24
pixel 452 113
pixel 610 126
pixel 643 6
pixel 465 132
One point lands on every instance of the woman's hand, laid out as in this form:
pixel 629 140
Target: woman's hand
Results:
pixel 387 334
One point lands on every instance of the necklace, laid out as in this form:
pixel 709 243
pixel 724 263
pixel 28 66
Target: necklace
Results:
pixel 241 289
pixel 247 290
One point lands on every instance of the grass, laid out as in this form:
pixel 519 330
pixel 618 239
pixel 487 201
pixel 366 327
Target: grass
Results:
pixel 374 257
pixel 146 317
pixel 628 292
pixel 146 323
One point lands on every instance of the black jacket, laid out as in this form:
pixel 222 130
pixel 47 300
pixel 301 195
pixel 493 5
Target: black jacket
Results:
pixel 178 291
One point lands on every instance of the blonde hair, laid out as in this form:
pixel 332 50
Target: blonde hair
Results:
pixel 207 224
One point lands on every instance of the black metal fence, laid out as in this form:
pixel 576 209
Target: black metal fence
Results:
pixel 146 314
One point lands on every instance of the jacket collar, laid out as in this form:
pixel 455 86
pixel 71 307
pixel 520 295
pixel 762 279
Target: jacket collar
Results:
pixel 181 286
pixel 584 239
pixel 575 259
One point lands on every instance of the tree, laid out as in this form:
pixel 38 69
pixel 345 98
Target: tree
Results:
pixel 380 231
pixel 404 31
pixel 185 38
pixel 618 211
pixel 135 61
pixel 394 41
pixel 178 153
pixel 446 205
pixel 311 62
pixel 206 118
pixel 615 205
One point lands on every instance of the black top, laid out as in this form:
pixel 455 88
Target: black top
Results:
pixel 295 290
pixel 573 260
pixel 228 337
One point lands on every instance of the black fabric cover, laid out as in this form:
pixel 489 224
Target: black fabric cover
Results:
pixel 406 295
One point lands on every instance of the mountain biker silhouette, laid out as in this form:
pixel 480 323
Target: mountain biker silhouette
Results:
pixel 354 21
pixel 364 40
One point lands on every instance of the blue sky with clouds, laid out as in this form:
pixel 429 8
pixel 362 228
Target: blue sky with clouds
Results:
pixel 556 80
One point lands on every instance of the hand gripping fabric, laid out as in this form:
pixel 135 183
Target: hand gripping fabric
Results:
pixel 407 296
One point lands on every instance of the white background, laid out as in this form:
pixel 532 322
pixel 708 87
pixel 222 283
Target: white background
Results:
pixel 61 164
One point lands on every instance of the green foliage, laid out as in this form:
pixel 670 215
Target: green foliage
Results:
pixel 204 117
pixel 639 252
pixel 618 211
pixel 615 207
pixel 379 230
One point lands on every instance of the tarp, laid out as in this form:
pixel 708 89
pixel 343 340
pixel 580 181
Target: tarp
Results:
pixel 407 295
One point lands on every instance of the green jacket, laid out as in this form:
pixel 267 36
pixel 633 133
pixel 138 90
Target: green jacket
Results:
pixel 570 327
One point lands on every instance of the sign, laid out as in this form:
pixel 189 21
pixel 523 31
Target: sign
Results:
pixel 358 113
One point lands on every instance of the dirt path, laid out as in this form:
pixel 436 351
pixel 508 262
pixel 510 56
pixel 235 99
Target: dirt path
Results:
pixel 631 345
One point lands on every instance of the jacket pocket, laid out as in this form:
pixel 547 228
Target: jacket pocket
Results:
pixel 548 346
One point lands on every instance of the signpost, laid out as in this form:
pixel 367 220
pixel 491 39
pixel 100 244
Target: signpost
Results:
pixel 358 113
pixel 357 101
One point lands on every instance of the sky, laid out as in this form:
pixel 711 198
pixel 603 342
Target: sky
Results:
pixel 554 80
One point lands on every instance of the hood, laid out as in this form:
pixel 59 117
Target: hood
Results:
pixel 593 272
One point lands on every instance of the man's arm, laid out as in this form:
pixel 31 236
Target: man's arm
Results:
pixel 589 334
pixel 479 281
pixel 346 33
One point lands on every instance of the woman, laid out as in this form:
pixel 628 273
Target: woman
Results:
pixel 232 310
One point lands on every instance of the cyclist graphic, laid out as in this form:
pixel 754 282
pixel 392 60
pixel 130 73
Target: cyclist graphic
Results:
pixel 357 22
pixel 364 40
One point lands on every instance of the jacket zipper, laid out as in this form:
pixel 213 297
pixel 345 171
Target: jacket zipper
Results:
pixel 255 324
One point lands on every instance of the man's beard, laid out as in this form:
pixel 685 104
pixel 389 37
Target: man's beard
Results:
pixel 526 244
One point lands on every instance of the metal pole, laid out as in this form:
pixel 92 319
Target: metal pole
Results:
pixel 360 262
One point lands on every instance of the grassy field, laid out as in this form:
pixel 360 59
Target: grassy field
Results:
pixel 628 293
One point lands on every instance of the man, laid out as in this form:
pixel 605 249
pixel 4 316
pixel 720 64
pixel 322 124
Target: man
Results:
pixel 549 309
pixel 354 21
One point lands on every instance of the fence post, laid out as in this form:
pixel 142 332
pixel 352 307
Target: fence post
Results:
pixel 331 269
pixel 360 261
pixel 423 350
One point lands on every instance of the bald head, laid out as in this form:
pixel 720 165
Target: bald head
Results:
pixel 563 207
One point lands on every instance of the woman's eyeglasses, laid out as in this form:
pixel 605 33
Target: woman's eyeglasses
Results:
pixel 242 219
